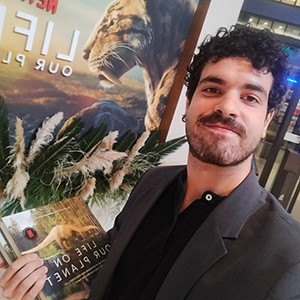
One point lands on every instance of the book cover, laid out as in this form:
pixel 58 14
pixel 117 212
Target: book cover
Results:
pixel 69 239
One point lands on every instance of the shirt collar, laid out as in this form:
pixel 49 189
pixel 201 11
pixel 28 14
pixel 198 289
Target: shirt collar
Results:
pixel 207 197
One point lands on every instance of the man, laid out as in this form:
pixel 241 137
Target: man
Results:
pixel 206 230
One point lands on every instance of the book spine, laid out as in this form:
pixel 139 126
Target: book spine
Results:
pixel 5 232
pixel 4 255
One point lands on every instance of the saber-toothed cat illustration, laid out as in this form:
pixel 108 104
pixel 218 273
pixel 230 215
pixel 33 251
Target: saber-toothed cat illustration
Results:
pixel 61 234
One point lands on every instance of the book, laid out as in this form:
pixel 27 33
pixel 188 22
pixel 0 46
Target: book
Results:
pixel 67 236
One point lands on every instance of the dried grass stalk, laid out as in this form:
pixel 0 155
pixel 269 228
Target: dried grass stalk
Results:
pixel 44 135
pixel 117 178
pixel 101 157
pixel 17 184
pixel 88 188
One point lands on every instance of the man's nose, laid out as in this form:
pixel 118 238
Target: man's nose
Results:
pixel 228 105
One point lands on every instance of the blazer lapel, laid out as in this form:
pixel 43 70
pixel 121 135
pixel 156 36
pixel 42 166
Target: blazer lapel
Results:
pixel 203 250
pixel 207 245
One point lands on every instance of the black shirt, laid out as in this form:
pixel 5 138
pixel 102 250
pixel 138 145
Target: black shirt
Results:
pixel 158 242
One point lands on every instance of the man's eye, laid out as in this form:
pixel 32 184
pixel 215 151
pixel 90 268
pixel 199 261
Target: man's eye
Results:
pixel 251 99
pixel 212 90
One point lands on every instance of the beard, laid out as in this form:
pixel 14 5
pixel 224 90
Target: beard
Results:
pixel 218 149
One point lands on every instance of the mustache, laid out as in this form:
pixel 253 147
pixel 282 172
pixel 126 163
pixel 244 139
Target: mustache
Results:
pixel 229 122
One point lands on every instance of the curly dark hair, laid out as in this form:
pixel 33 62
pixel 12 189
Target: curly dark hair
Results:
pixel 260 48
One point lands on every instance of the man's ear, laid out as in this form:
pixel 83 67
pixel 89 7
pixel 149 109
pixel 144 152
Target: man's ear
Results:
pixel 268 120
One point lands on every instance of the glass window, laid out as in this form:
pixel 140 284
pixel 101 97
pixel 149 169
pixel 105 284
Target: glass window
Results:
pixel 246 18
pixel 253 20
pixel 293 31
pixel 275 26
pixel 279 27
pixel 290 2
pixel 264 23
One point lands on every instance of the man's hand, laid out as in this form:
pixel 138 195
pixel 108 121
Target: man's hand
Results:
pixel 24 278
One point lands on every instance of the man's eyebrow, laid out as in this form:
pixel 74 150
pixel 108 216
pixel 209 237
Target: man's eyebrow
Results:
pixel 256 87
pixel 213 79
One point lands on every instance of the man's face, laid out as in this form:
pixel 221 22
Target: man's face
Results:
pixel 227 116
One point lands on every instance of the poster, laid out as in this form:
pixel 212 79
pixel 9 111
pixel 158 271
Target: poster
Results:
pixel 69 56
pixel 104 62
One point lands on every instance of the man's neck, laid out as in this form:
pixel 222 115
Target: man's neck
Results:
pixel 202 177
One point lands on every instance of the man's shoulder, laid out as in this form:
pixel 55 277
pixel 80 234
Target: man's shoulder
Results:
pixel 167 168
pixel 282 223
pixel 158 177
pixel 276 207
pixel 289 224
pixel 163 171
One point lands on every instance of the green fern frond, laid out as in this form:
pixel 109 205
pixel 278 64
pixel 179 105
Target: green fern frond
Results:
pixel 60 151
pixel 10 208
pixel 151 142
pixel 125 142
pixel 166 148
pixel 71 128
pixel 92 137
pixel 39 193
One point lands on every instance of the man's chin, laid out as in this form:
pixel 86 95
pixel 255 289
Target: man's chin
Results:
pixel 220 158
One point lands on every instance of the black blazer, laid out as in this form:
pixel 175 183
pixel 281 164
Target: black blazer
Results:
pixel 247 248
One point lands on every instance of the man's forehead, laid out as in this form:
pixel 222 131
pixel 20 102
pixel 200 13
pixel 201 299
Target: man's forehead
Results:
pixel 224 69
